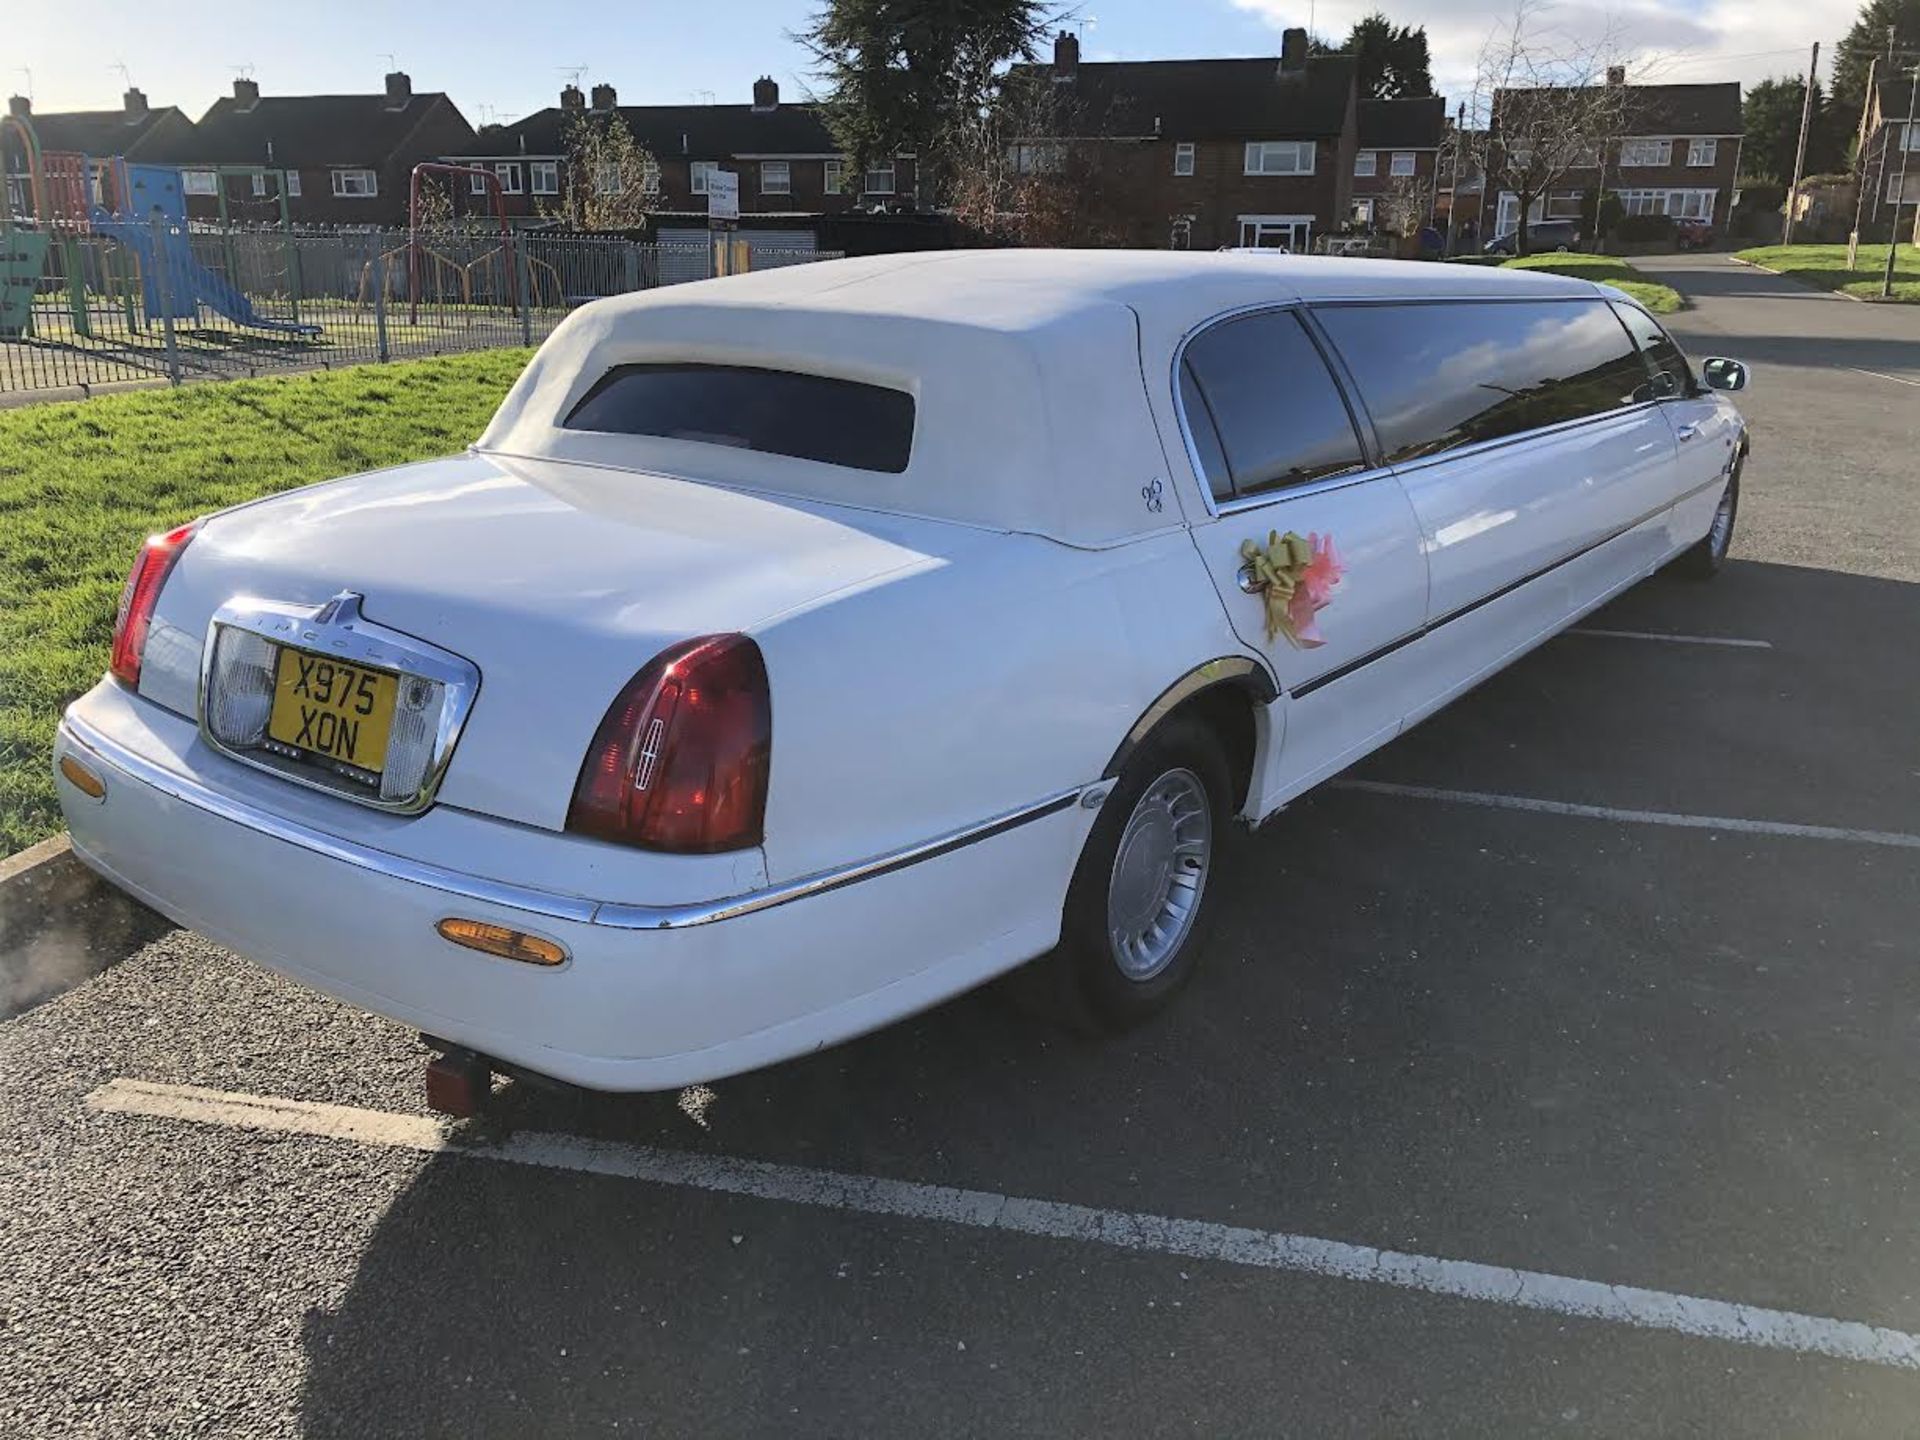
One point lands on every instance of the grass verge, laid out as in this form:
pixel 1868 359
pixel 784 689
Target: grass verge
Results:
pixel 1825 268
pixel 82 483
pixel 1606 270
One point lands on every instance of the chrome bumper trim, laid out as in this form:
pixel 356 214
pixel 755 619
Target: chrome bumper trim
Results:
pixel 546 903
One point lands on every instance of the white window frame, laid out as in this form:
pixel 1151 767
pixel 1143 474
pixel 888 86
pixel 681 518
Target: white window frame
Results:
pixel 477 185
pixel 1907 137
pixel 1366 164
pixel 650 178
pixel 1911 195
pixel 867 187
pixel 508 173
pixel 1404 162
pixel 1645 154
pixel 258 184
pixel 1183 160
pixel 833 176
pixel 776 177
pixel 1262 155
pixel 1558 200
pixel 1362 211
pixel 1703 150
pixel 1681 204
pixel 700 170
pixel 345 177
pixel 1299 230
pixel 199 182
pixel 292 178
pixel 1180 234
pixel 607 179
pixel 543 176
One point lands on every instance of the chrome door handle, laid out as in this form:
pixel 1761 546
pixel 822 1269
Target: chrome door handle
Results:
pixel 1248 584
pixel 1686 432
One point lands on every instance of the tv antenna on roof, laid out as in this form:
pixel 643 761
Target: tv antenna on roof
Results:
pixel 393 61
pixel 242 72
pixel 126 75
pixel 573 74
pixel 23 70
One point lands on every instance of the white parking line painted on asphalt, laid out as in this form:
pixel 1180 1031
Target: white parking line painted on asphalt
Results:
pixel 1634 817
pixel 985 1210
pixel 1672 639
pixel 1897 379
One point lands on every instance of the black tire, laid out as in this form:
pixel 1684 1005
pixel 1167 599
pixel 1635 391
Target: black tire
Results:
pixel 1709 556
pixel 1089 987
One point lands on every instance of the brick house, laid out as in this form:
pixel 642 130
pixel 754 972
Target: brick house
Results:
pixel 141 133
pixel 1889 142
pixel 347 158
pixel 1211 153
pixel 1399 146
pixel 789 166
pixel 1678 154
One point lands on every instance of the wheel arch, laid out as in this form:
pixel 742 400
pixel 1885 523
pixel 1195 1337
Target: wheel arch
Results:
pixel 1223 693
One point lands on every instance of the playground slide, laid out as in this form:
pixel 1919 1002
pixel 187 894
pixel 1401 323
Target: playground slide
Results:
pixel 191 283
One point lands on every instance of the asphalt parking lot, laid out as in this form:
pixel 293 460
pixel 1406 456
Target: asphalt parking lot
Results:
pixel 1622 1082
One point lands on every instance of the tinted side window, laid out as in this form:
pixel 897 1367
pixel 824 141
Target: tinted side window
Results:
pixel 1278 415
pixel 1662 354
pixel 1438 376
pixel 811 417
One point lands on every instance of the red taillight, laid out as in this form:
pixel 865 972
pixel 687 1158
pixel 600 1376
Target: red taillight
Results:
pixel 680 761
pixel 137 600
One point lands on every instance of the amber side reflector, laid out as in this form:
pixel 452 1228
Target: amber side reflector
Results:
pixel 499 940
pixel 83 779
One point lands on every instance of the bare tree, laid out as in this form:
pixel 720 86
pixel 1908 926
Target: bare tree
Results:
pixel 1032 169
pixel 612 182
pixel 1556 104
pixel 1403 207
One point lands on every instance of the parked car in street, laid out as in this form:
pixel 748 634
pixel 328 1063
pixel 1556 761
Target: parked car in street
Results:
pixel 1542 236
pixel 796 650
pixel 1693 234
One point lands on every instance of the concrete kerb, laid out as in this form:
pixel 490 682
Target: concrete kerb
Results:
pixel 60 923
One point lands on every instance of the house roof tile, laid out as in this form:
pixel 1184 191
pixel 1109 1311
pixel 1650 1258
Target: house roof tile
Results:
pixel 1403 124
pixel 696 132
pixel 1206 99
pixel 310 130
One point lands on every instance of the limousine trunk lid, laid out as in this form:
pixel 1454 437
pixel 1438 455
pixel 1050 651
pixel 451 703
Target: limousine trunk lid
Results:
pixel 557 581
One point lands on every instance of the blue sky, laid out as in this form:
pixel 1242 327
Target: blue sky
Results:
pixel 501 60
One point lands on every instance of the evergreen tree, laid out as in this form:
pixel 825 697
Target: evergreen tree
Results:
pixel 1393 63
pixel 1772 121
pixel 1866 39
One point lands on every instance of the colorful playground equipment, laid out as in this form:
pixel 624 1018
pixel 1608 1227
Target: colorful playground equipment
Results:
pixel 141 209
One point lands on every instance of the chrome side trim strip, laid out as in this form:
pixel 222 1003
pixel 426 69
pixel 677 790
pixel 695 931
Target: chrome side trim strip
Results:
pixel 548 904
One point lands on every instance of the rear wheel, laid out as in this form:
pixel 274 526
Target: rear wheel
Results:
pixel 1706 559
pixel 1138 909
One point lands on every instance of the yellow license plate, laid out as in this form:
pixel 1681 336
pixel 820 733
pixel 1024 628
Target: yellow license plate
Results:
pixel 331 709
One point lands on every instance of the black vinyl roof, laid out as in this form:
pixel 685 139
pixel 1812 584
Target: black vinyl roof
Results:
pixel 1204 99
pixel 1403 124
pixel 695 132
pixel 312 130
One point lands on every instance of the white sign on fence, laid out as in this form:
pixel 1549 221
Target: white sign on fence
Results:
pixel 723 195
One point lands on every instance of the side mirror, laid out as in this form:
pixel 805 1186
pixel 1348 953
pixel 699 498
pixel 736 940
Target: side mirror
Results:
pixel 1723 374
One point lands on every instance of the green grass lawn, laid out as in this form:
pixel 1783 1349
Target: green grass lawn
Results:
pixel 1825 266
pixel 81 484
pixel 1606 270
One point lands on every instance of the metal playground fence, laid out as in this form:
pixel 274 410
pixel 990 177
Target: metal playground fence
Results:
pixel 117 301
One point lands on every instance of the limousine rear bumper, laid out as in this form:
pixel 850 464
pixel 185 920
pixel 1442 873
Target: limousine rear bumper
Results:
pixel 637 1004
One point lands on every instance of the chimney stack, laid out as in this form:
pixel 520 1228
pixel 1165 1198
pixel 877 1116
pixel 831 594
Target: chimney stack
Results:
pixel 1616 74
pixel 136 102
pixel 1066 57
pixel 1293 51
pixel 572 98
pixel 604 97
pixel 399 90
pixel 19 106
pixel 766 93
pixel 246 94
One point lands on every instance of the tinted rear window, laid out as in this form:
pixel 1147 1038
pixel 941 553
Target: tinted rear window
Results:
pixel 780 412
pixel 1439 376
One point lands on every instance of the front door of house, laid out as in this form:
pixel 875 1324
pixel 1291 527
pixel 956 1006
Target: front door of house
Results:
pixel 1276 232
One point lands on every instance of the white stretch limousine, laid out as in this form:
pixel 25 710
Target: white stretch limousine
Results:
pixel 799 649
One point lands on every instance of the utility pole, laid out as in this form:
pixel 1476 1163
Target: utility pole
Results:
pixel 1880 175
pixel 1860 166
pixel 1800 153
pixel 1906 154
pixel 1459 161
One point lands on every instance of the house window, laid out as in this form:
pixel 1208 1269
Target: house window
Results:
pixel 1181 236
pixel 650 179
pixel 1279 157
pixel 879 180
pixel 546 177
pixel 1565 204
pixel 607 179
pixel 355 184
pixel 259 184
pixel 1183 165
pixel 1034 159
pixel 476 184
pixel 776 178
pixel 1520 156
pixel 1366 163
pixel 1909 138
pixel 1276 232
pixel 701 170
pixel 200 182
pixel 1639 153
pixel 1703 151
pixel 833 176
pixel 1402 162
pixel 509 174
pixel 1362 212
pixel 1681 204
pixel 293 183
pixel 1909 196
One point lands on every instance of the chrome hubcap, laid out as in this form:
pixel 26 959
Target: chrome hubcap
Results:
pixel 1159 873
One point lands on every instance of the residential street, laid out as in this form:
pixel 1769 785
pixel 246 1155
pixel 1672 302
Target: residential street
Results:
pixel 1598 1075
